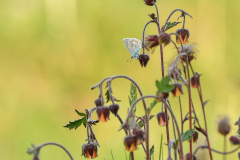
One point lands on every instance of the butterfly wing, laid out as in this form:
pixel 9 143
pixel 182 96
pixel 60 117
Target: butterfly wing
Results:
pixel 133 45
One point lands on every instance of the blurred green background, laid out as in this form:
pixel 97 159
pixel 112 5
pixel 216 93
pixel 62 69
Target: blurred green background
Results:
pixel 53 51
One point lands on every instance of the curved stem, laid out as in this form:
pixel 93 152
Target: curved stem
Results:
pixel 172 114
pixel 184 17
pixel 174 12
pixel 179 39
pixel 56 144
pixel 204 147
pixel 157 13
pixel 143 39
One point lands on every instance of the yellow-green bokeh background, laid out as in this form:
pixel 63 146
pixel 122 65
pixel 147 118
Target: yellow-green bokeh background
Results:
pixel 53 51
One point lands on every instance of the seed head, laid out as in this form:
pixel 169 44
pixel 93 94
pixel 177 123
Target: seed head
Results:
pixel 235 140
pixel 143 59
pixel 103 114
pixel 190 51
pixel 183 35
pixel 89 150
pixel 150 2
pixel 130 143
pixel 224 126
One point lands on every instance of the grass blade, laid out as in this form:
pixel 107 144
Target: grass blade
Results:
pixel 160 152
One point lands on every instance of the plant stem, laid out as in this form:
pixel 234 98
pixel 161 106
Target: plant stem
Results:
pixel 56 144
pixel 172 114
pixel 190 107
pixel 143 39
pixel 204 147
pixel 224 147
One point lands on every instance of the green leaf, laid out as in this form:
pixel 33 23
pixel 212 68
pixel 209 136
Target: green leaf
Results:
pixel 153 104
pixel 236 123
pixel 140 123
pixel 151 150
pixel 164 85
pixel 133 95
pixel 187 135
pixel 75 124
pixel 171 24
pixel 80 113
pixel 107 96
pixel 160 147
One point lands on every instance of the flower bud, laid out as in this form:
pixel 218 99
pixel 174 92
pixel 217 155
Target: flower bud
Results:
pixel 224 126
pixel 143 59
pixel 195 81
pixel 98 102
pixel 130 143
pixel 165 39
pixel 139 133
pixel 161 117
pixel 114 108
pixel 152 41
pixel 89 150
pixel 183 35
pixel 177 91
pixel 103 114
pixel 187 157
pixel 150 2
pixel 235 140
pixel 195 136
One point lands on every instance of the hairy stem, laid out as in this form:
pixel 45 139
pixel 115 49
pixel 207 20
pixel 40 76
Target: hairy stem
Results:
pixel 219 152
pixel 143 36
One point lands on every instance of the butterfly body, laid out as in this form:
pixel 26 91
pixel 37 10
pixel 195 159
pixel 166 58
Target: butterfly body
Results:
pixel 133 45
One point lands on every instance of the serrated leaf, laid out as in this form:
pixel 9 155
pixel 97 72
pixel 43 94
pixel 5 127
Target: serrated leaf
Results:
pixel 164 85
pixel 140 123
pixel 171 24
pixel 133 95
pixel 80 113
pixel 151 150
pixel 75 124
pixel 187 135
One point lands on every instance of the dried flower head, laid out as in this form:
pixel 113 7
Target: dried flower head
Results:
pixel 152 41
pixel 130 143
pixel 224 126
pixel 177 91
pixel 183 35
pixel 164 38
pixel 190 51
pixel 150 2
pixel 89 150
pixel 187 157
pixel 114 108
pixel 161 117
pixel 103 114
pixel 143 59
pixel 234 140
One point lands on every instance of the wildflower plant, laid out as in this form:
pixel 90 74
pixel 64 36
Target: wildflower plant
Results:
pixel 179 75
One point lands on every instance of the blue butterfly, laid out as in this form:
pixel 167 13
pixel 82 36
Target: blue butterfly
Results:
pixel 133 45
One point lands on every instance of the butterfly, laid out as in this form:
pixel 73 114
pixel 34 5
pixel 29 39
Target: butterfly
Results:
pixel 133 45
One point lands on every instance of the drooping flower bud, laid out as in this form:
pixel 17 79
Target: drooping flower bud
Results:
pixel 161 117
pixel 164 38
pixel 103 114
pixel 150 2
pixel 98 102
pixel 195 81
pixel 152 41
pixel 224 126
pixel 187 157
pixel 177 91
pixel 143 59
pixel 195 136
pixel 89 150
pixel 183 35
pixel 235 140
pixel 114 108
pixel 139 133
pixel 130 143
